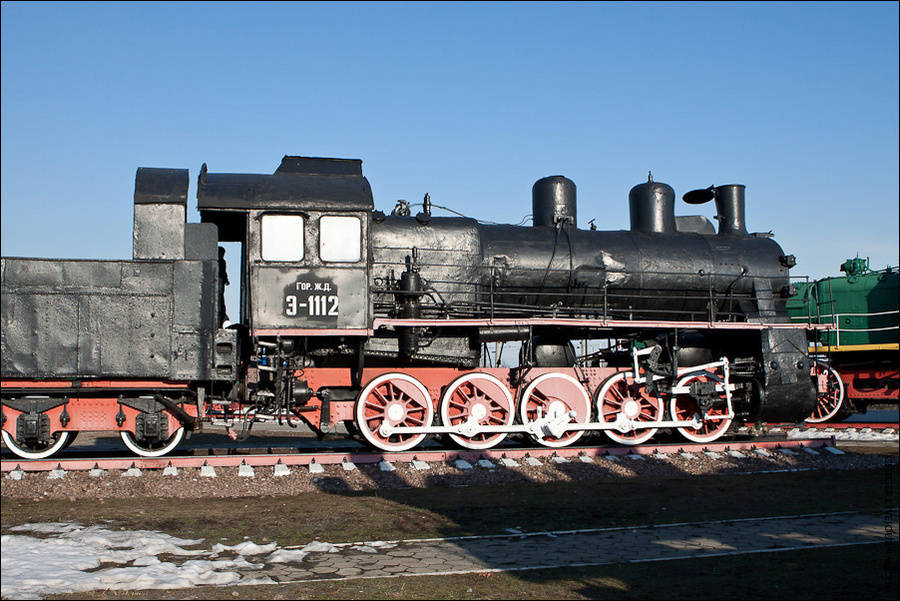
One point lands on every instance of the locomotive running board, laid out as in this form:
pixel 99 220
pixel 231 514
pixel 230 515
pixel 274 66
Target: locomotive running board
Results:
pixel 599 323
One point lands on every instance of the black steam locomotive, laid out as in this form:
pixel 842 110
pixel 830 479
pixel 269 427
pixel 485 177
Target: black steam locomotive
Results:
pixel 393 325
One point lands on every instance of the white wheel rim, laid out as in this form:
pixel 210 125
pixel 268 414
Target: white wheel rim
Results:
pixel 43 454
pixel 132 444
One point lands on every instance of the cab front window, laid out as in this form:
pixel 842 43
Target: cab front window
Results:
pixel 340 239
pixel 282 237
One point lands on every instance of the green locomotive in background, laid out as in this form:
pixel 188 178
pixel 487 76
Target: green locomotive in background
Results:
pixel 857 356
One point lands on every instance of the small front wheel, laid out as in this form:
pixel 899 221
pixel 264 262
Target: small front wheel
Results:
pixel 829 393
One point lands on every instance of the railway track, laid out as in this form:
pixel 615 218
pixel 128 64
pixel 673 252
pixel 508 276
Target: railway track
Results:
pixel 215 449
pixel 271 457
pixel 879 426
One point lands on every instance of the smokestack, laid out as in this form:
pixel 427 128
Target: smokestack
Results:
pixel 730 209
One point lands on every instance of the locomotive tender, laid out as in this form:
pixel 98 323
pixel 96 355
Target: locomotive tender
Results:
pixel 385 322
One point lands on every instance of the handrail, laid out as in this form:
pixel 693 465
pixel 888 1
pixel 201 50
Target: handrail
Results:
pixel 850 330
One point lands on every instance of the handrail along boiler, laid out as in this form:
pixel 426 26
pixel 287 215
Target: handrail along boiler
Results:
pixel 385 323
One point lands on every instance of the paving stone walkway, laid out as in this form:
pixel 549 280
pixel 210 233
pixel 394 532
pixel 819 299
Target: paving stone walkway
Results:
pixel 591 547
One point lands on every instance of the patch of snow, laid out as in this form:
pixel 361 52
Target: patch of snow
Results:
pixel 57 558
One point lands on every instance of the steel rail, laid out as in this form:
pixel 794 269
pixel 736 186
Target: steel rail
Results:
pixel 426 455
pixel 844 426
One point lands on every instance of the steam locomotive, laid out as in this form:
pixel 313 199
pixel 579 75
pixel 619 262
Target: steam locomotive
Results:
pixel 857 358
pixel 394 325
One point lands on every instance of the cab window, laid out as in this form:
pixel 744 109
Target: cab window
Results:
pixel 340 239
pixel 282 237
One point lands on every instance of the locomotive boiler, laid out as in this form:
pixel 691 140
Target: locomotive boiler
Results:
pixel 385 323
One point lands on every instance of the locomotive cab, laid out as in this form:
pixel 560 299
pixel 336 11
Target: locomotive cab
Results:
pixel 304 235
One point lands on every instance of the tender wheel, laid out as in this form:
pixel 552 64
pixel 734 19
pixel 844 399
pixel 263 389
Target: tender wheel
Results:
pixel 38 449
pixel 72 437
pixel 620 396
pixel 478 400
pixel 398 400
pixel 683 407
pixel 146 448
pixel 829 393
pixel 552 397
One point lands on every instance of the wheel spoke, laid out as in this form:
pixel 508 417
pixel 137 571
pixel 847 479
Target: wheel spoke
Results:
pixel 377 395
pixel 413 421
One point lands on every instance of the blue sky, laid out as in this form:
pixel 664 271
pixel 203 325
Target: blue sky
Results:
pixel 471 103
